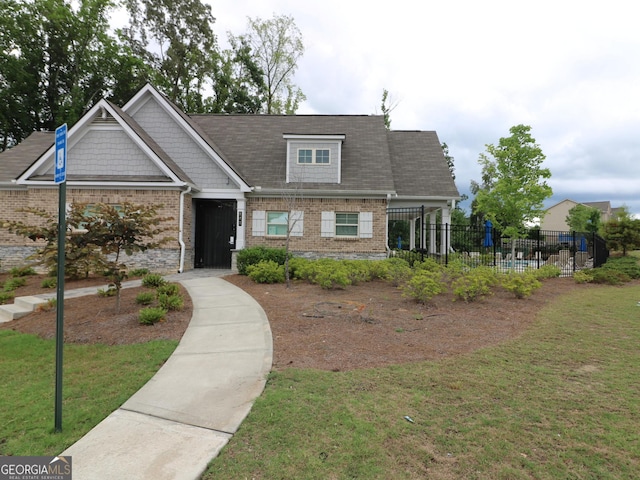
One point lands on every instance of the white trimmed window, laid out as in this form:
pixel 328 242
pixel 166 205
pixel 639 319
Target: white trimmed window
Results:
pixel 277 223
pixel 321 156
pixel 347 224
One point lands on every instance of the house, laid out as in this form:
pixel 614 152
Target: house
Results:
pixel 556 216
pixel 234 181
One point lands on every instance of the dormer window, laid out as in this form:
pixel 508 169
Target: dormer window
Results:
pixel 320 156
pixel 314 158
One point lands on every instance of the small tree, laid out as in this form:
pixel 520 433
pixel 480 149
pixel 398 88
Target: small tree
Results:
pixel 623 232
pixel 124 229
pixel 582 218
pixel 81 257
pixel 513 185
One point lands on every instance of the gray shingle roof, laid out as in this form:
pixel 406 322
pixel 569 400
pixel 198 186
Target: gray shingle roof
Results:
pixel 16 160
pixel 255 145
pixel 419 166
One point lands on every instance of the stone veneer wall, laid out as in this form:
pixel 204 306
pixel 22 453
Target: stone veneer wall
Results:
pixel 311 243
pixel 14 249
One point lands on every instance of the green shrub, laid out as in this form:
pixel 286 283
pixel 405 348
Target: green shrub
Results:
pixel 139 272
pixel 145 298
pixel 548 271
pixel 151 315
pixel 170 302
pixel 455 269
pixel 429 264
pixel 474 284
pixel 378 269
pixel 111 291
pixel 626 265
pixel 169 289
pixel 609 276
pixel 328 273
pixel 14 283
pixel 583 276
pixel 49 282
pixel 6 297
pixel 22 271
pixel 298 268
pixel 254 255
pixel 521 284
pixel 398 271
pixel 153 280
pixel 359 271
pixel 266 271
pixel 423 286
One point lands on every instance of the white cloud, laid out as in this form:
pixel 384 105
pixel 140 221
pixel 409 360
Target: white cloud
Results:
pixel 470 70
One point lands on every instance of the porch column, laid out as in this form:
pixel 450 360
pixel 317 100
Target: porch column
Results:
pixel 241 222
pixel 412 234
pixel 445 234
pixel 433 217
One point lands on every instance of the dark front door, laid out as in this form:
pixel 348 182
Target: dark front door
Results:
pixel 215 233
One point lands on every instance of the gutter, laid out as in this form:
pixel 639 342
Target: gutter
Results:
pixel 181 232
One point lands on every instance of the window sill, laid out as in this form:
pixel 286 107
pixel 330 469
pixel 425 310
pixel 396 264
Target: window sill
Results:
pixel 346 239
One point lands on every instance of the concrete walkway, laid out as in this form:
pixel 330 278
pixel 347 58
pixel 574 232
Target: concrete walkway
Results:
pixel 181 419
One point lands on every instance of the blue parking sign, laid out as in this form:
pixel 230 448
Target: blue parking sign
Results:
pixel 61 154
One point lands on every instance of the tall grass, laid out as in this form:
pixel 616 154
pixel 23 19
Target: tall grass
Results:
pixel 97 379
pixel 562 401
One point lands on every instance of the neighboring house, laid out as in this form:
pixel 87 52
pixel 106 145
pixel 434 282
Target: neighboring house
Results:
pixel 556 216
pixel 234 181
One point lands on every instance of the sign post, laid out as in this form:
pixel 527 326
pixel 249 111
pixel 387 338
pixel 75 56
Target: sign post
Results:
pixel 60 178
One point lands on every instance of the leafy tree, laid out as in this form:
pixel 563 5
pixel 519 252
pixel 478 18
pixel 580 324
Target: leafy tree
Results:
pixel 513 186
pixel 174 37
pixel 449 159
pixel 238 82
pixel 277 46
pixel 622 232
pixel 57 59
pixel 582 218
pixel 124 229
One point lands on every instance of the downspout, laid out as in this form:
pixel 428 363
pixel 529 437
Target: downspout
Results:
pixel 181 232
pixel 386 240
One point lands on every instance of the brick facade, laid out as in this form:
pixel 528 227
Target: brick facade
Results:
pixel 14 249
pixel 311 243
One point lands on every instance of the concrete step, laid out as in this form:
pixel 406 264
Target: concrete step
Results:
pixel 21 306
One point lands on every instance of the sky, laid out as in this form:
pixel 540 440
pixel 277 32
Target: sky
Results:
pixel 470 70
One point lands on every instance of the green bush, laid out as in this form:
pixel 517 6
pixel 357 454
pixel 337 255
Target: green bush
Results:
pixel 626 265
pixel 423 286
pixel 429 264
pixel 398 271
pixel 6 297
pixel 359 270
pixel 145 298
pixel 378 269
pixel 49 282
pixel 139 272
pixel 151 315
pixel 22 271
pixel 456 269
pixel 609 276
pixel 14 283
pixel 153 280
pixel 298 267
pixel 328 273
pixel 170 302
pixel 521 284
pixel 548 271
pixel 266 271
pixel 111 291
pixel 583 276
pixel 474 284
pixel 169 289
pixel 254 255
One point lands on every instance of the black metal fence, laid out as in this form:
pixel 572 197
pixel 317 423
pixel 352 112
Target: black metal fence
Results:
pixel 418 239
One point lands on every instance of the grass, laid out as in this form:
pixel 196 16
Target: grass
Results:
pixel 97 379
pixel 562 401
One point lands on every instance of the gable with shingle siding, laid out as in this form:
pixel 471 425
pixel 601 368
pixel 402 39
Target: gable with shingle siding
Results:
pixel 181 147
